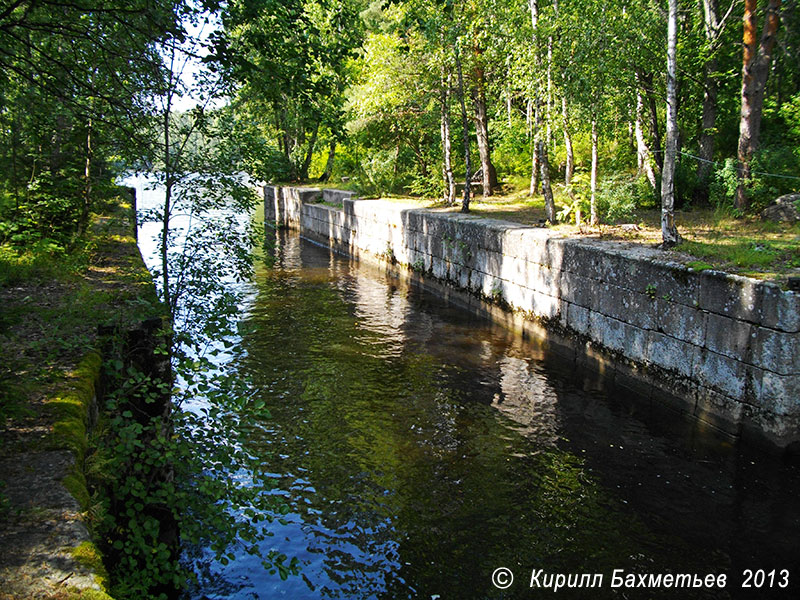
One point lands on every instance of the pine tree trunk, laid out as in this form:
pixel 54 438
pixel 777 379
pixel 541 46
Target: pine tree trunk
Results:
pixel 669 233
pixel 535 164
pixel 755 69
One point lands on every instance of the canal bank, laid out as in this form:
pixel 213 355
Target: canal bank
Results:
pixel 720 348
pixel 50 347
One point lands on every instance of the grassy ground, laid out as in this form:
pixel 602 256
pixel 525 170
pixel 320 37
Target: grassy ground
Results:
pixel 712 239
pixel 51 303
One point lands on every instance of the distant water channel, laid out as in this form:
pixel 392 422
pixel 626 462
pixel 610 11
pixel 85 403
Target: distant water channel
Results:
pixel 420 448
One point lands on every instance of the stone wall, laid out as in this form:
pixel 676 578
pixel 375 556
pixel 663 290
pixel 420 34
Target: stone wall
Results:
pixel 724 348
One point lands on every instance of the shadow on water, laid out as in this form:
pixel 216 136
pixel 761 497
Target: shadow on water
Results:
pixel 420 447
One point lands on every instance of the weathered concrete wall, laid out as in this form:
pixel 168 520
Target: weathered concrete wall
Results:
pixel 725 348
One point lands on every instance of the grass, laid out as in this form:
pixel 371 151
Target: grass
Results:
pixel 53 299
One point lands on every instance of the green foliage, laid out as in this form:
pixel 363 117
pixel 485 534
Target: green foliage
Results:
pixel 723 185
pixel 762 186
pixel 616 199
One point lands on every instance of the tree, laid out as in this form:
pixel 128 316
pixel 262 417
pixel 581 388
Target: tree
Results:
pixel 285 62
pixel 669 233
pixel 713 26
pixel 75 78
pixel 756 59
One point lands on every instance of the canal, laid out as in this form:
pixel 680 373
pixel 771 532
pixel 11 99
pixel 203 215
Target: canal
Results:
pixel 420 447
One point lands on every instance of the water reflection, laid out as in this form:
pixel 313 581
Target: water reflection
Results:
pixel 419 447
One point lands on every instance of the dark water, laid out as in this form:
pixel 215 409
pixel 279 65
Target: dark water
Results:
pixel 420 447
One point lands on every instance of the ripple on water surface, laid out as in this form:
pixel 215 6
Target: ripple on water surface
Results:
pixel 420 447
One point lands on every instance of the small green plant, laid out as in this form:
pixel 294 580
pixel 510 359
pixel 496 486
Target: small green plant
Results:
pixel 388 253
pixel 466 252
pixel 418 265
pixel 650 291
pixel 497 292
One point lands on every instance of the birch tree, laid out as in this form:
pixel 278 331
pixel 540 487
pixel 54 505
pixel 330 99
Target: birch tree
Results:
pixel 669 232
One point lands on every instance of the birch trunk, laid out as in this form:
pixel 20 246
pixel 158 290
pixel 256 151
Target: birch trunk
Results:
pixel 669 234
pixel 447 165
pixel 569 169
pixel 642 151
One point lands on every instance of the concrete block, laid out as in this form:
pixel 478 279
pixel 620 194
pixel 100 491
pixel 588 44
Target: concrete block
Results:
pixel 736 297
pixel 776 351
pixel 671 353
pixel 780 393
pixel 728 336
pixel 607 331
pixel 720 373
pixel 336 196
pixel 683 322
pixel 719 410
pixel 488 262
pixel 438 267
pixel 779 309
pixel 578 318
pixel 545 305
pixel 671 282
pixel 625 305
pixel 577 289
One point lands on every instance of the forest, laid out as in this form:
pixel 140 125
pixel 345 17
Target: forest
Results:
pixel 564 98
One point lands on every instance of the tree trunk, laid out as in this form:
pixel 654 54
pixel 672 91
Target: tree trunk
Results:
pixel 465 126
pixel 549 204
pixel 309 153
pixel 87 177
pixel 593 219
pixel 669 233
pixel 706 142
pixel 755 69
pixel 713 29
pixel 329 163
pixel 647 81
pixel 535 162
pixel 447 164
pixel 535 103
pixel 642 151
pixel 569 169
pixel 482 134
